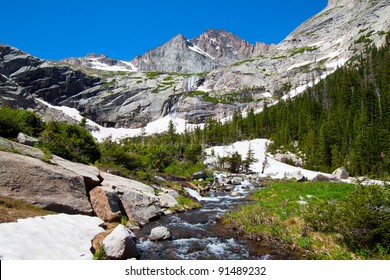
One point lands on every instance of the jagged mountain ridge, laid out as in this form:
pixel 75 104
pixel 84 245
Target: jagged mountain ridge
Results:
pixel 132 99
pixel 210 50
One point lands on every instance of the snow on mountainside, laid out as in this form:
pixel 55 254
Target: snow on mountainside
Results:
pixel 100 62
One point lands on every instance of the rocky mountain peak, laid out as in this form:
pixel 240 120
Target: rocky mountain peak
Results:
pixel 210 50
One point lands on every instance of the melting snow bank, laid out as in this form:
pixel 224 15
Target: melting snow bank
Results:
pixel 101 132
pixel 52 237
pixel 272 168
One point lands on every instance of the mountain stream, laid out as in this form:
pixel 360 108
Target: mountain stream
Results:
pixel 199 234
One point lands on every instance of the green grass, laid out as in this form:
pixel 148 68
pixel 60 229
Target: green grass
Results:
pixel 185 202
pixel 276 217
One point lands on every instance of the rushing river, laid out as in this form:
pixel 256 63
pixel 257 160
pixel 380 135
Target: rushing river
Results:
pixel 199 234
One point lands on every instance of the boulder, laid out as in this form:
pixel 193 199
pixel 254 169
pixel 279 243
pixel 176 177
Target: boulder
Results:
pixel 236 181
pixel 21 149
pixel 298 176
pixel 120 245
pixel 199 175
pixel 340 173
pixel 48 186
pixel 167 201
pixel 26 140
pixel 90 174
pixel 173 193
pixel 105 203
pixel 111 180
pixel 159 233
pixel 138 200
pixel 289 158
pixel 322 178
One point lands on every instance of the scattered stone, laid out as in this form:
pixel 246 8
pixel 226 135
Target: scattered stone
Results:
pixel 167 201
pixel 302 202
pixel 104 202
pixel 199 175
pixel 26 140
pixel 173 193
pixel 298 176
pixel 120 245
pixel 235 194
pixel 159 233
pixel 131 226
pixel 168 212
pixel 236 181
pixel 321 178
pixel 340 173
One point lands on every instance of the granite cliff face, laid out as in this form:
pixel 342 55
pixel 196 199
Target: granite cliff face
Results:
pixel 235 73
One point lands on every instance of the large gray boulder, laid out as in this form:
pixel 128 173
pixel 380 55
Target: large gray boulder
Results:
pixel 105 203
pixel 138 200
pixel 159 233
pixel 167 201
pixel 90 173
pixel 26 140
pixel 48 186
pixel 120 245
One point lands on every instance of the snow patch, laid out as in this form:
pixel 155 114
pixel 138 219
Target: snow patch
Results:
pixel 198 50
pixel 273 168
pixel 52 237
pixel 96 64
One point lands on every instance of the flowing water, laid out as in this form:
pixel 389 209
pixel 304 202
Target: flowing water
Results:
pixel 199 234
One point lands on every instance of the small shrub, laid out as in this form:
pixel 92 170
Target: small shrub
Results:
pixel 124 220
pixel 100 254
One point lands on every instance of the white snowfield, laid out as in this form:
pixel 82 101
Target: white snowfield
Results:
pixel 100 133
pixel 52 237
pixel 273 168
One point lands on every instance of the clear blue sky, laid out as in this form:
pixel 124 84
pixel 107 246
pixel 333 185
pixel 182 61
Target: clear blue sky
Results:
pixel 122 29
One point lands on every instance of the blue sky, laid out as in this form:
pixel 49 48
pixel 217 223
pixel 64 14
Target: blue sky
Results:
pixel 123 29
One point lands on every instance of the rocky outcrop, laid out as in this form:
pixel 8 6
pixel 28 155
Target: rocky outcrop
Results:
pixel 90 174
pixel 159 233
pixel 21 148
pixel 120 245
pixel 38 78
pixel 105 204
pixel 48 186
pixel 26 140
pixel 340 173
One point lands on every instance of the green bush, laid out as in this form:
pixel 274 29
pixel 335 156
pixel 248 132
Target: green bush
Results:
pixel 363 219
pixel 13 121
pixel 71 142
